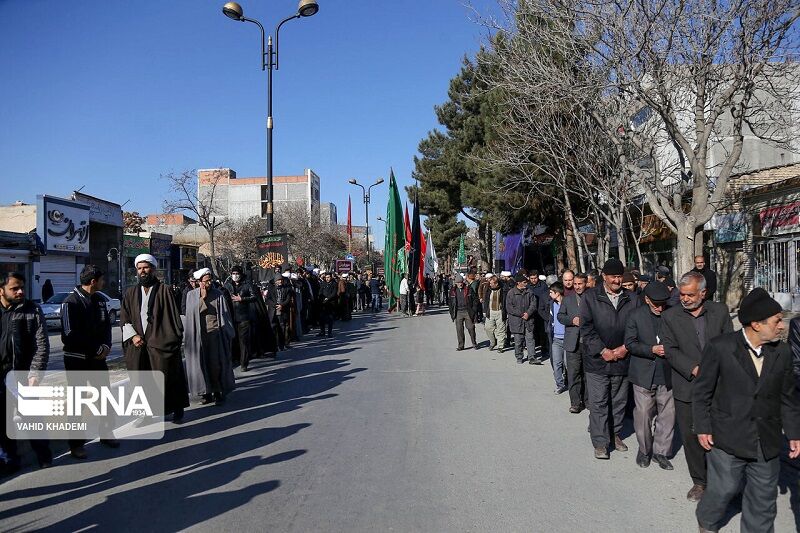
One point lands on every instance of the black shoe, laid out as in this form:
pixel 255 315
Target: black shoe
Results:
pixel 642 460
pixel 560 390
pixel 13 466
pixel 79 453
pixel 474 346
pixel 535 361
pixel 207 399
pixel 663 462
pixel 244 369
pixel 575 409
pixel 177 416
pixel 501 350
pixel 45 463
pixel 520 361
pixel 492 347
pixel 459 348
pixel 219 399
pixel 111 443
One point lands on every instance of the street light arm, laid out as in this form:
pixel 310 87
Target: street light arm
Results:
pixel 263 53
pixel 363 192
pixel 277 34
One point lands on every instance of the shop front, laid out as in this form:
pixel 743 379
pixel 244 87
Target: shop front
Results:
pixel 133 245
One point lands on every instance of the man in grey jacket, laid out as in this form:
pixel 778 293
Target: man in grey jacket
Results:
pixel 569 315
pixel 687 328
pixel 521 308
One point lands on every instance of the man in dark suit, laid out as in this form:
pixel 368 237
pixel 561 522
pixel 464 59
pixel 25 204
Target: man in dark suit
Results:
pixel 650 374
pixel 710 275
pixel 569 315
pixel 538 288
pixel 794 343
pixel 687 328
pixel 603 314
pixel 463 311
pixel 744 398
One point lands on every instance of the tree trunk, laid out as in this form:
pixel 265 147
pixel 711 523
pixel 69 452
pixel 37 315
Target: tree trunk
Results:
pixel 573 234
pixel 684 260
pixel 619 223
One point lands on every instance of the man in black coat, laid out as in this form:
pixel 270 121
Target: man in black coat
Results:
pixel 538 288
pixel 794 343
pixel 463 310
pixel 649 373
pixel 711 276
pixel 687 329
pixel 603 314
pixel 569 315
pixel 243 297
pixel 744 400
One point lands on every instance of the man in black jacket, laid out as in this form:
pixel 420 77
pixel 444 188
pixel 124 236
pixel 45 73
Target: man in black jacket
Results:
pixel 604 312
pixel 463 310
pixel 86 336
pixel 794 343
pixel 284 293
pixel 244 300
pixel 494 308
pixel 328 296
pixel 711 276
pixel 649 373
pixel 687 328
pixel 538 288
pixel 24 346
pixel 744 400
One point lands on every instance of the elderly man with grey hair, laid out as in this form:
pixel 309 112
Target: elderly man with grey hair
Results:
pixel 686 329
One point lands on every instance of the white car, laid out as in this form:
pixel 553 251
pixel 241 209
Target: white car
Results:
pixel 52 309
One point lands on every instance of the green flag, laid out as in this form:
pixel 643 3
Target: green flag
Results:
pixel 462 255
pixel 395 239
pixel 402 261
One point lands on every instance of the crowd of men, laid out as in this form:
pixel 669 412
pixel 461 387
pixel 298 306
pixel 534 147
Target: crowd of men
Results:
pixel 195 335
pixel 732 394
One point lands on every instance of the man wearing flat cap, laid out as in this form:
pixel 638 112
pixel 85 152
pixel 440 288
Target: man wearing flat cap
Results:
pixel 686 330
pixel 152 333
pixel 603 315
pixel 649 373
pixel 744 400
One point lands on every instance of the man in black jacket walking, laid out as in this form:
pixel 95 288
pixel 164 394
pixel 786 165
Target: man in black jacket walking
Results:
pixel 244 301
pixel 521 309
pixel 604 312
pixel 687 329
pixel 328 296
pixel 744 400
pixel 463 310
pixel 86 335
pixel 649 373
pixel 24 346
pixel 569 315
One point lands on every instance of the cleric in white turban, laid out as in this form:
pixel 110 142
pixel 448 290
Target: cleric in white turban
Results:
pixel 152 333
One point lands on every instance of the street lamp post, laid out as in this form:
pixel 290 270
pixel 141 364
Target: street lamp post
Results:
pixel 269 58
pixel 110 258
pixel 365 194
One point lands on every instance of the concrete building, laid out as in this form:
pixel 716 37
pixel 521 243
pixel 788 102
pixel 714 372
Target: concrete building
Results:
pixel 243 198
pixel 184 229
pixel 327 214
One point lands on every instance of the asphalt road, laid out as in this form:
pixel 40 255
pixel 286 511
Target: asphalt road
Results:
pixel 383 428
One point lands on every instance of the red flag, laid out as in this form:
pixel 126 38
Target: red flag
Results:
pixel 407 223
pixel 349 218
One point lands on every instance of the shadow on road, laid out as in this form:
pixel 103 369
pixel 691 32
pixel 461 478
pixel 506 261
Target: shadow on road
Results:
pixel 180 484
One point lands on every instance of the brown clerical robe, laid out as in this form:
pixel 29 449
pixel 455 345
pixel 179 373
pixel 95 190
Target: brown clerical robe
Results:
pixel 162 340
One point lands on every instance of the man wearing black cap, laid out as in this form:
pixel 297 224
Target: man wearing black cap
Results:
pixel 686 330
pixel 650 374
pixel 603 314
pixel 744 399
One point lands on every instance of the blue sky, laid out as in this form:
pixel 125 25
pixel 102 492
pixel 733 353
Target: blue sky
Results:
pixel 110 95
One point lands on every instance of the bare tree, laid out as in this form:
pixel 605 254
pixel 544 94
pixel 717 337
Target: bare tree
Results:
pixel 678 85
pixel 236 241
pixel 186 197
